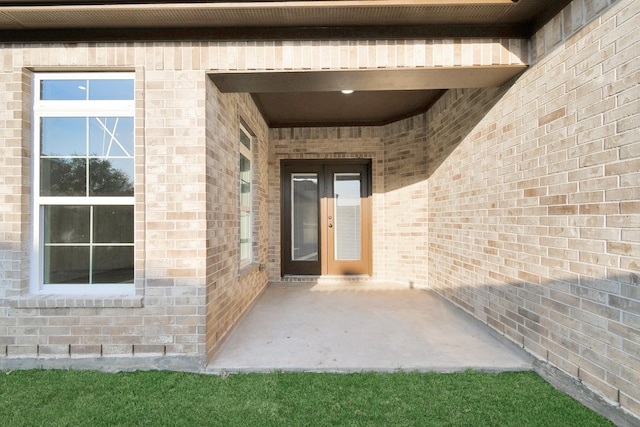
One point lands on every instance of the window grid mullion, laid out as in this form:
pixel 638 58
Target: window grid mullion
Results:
pixel 86 143
pixel 91 210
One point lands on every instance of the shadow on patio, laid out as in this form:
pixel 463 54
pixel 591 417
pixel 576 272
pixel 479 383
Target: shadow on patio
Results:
pixel 361 327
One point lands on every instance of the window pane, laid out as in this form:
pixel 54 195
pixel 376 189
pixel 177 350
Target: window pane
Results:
pixel 64 90
pixel 111 136
pixel 66 224
pixel 110 89
pixel 245 181
pixel 66 264
pixel 245 139
pixel 304 217
pixel 113 224
pixel 63 136
pixel 112 264
pixel 111 177
pixel 245 235
pixel 347 216
pixel 63 177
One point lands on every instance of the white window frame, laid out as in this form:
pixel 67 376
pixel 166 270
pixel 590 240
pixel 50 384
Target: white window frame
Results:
pixel 72 108
pixel 248 154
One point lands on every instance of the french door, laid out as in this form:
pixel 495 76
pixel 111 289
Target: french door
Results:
pixel 326 217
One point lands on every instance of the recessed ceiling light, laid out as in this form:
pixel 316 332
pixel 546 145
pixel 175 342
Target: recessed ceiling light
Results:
pixel 347 91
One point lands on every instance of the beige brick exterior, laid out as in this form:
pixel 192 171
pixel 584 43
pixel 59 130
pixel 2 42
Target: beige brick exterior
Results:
pixel 519 203
pixel 230 291
pixel 532 199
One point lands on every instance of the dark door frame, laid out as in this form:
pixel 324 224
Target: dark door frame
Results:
pixel 287 265
pixel 322 166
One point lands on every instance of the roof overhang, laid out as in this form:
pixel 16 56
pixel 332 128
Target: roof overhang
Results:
pixel 90 20
pixel 314 98
pixel 381 95
pixel 364 80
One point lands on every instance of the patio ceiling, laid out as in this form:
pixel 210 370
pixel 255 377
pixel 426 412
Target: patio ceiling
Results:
pixel 314 98
pixel 305 99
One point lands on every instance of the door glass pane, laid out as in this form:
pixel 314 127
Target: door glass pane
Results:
pixel 347 229
pixel 304 217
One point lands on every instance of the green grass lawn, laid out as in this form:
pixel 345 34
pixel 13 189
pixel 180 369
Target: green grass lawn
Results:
pixel 86 398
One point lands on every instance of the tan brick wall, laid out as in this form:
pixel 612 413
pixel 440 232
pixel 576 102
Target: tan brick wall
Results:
pixel 186 278
pixel 406 203
pixel 170 221
pixel 533 199
pixel 170 319
pixel 230 291
pixel 15 124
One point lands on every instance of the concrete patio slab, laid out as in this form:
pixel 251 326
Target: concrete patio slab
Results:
pixel 361 327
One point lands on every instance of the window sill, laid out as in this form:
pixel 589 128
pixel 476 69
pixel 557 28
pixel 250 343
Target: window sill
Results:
pixel 77 301
pixel 248 268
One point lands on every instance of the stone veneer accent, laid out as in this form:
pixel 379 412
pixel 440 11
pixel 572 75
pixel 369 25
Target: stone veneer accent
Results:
pixel 520 203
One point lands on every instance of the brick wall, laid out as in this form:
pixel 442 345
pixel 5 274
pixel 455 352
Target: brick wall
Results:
pixel 15 179
pixel 230 290
pixel 172 228
pixel 14 196
pixel 533 195
pixel 188 289
pixel 169 273
pixel 406 203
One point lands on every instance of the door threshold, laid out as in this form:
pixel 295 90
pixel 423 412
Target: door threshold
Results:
pixel 352 278
pixel 339 283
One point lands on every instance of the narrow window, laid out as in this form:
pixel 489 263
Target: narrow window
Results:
pixel 83 192
pixel 246 196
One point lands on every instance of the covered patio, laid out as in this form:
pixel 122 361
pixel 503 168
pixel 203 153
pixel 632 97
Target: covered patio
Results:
pixel 361 326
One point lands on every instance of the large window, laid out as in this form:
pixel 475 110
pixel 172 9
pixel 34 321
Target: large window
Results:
pixel 83 189
pixel 246 196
